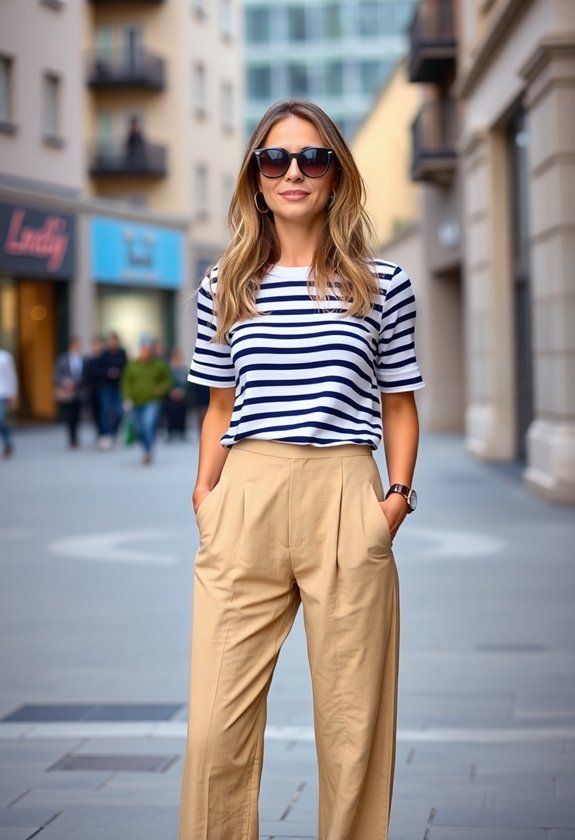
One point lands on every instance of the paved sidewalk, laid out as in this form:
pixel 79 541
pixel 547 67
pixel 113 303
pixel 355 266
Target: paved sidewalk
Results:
pixel 96 555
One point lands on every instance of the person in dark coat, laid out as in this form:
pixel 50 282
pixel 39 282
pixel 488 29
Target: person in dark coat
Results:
pixel 109 372
pixel 91 382
pixel 176 401
pixel 69 380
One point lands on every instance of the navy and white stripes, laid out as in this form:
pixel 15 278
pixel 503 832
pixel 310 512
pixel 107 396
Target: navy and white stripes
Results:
pixel 302 372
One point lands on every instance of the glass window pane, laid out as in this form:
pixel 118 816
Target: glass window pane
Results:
pixel 5 88
pixel 259 82
pixel 257 25
pixel 333 26
pixel 334 78
pixel 369 18
pixel 402 15
pixel 371 75
pixel 297 30
pixel 51 104
pixel 298 80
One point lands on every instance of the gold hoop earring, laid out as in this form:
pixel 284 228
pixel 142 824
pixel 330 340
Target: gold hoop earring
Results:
pixel 331 200
pixel 258 208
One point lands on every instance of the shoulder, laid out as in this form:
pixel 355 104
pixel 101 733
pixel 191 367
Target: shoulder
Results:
pixel 393 279
pixel 208 283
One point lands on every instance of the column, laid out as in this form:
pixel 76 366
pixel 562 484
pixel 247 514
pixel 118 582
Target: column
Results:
pixel 550 104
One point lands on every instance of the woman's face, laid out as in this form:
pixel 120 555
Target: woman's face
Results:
pixel 293 197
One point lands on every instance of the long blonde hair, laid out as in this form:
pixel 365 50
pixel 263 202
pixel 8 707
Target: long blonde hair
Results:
pixel 344 247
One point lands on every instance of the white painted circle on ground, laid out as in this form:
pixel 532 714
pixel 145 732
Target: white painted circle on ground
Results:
pixel 113 547
pixel 450 544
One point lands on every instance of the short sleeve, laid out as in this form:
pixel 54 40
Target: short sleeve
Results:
pixel 212 363
pixel 396 365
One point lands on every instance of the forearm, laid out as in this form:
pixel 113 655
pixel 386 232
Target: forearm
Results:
pixel 400 436
pixel 212 455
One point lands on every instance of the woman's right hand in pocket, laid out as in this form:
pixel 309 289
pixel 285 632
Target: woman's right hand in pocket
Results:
pixel 198 497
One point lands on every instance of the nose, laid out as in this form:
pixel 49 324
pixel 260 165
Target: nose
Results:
pixel 294 172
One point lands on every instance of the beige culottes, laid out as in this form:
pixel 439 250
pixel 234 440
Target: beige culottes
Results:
pixel 288 523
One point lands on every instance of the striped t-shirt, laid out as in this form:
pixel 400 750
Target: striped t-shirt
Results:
pixel 309 375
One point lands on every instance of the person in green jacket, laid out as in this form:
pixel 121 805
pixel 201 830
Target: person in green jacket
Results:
pixel 145 382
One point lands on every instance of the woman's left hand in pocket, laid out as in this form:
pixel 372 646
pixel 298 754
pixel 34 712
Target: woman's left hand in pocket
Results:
pixel 395 510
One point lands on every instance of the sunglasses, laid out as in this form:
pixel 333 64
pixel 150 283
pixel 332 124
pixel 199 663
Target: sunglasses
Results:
pixel 313 161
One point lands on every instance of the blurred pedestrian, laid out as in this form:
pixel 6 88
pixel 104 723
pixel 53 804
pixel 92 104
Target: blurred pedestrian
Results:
pixel 108 371
pixel 134 144
pixel 176 401
pixel 307 343
pixel 199 402
pixel 145 382
pixel 68 378
pixel 97 346
pixel 8 394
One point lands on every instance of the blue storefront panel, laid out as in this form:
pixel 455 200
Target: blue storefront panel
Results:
pixel 136 254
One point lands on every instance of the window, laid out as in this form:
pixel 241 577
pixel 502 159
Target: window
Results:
pixel 257 25
pixel 201 190
pixel 105 127
pixel 226 20
pixel 52 87
pixel 228 184
pixel 297 30
pixel 333 21
pixel 199 7
pixel 297 80
pixel 334 78
pixel 369 18
pixel 259 83
pixel 199 90
pixel 402 17
pixel 6 104
pixel 371 76
pixel 227 102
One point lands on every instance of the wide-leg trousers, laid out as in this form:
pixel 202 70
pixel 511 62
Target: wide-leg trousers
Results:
pixel 289 524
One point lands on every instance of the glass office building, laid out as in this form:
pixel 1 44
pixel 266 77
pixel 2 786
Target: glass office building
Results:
pixel 337 53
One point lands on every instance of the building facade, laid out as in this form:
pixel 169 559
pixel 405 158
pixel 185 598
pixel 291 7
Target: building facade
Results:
pixel 114 178
pixel 493 151
pixel 337 53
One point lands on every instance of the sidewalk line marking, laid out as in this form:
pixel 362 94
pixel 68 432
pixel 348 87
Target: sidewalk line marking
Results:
pixel 178 729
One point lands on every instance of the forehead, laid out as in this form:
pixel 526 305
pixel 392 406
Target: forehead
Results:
pixel 293 133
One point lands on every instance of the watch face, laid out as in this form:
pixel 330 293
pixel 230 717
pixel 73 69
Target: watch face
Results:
pixel 412 500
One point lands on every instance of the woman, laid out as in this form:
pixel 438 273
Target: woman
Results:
pixel 299 333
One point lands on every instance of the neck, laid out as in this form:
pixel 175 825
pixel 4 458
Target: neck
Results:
pixel 298 241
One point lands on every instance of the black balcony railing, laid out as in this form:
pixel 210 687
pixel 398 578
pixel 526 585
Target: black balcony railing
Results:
pixel 434 138
pixel 143 159
pixel 433 45
pixel 125 68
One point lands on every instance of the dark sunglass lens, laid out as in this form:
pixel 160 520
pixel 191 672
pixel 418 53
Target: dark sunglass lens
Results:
pixel 273 163
pixel 314 162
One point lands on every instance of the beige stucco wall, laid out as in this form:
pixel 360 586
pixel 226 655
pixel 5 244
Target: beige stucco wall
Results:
pixel 182 38
pixel 521 53
pixel 41 39
pixel 382 151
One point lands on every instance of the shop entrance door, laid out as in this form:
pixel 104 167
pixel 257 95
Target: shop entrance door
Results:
pixel 36 348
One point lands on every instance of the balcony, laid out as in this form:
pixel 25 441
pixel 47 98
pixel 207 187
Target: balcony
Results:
pixel 433 46
pixel 109 158
pixel 128 2
pixel 121 68
pixel 434 137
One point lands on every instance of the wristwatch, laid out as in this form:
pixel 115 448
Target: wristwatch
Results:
pixel 408 494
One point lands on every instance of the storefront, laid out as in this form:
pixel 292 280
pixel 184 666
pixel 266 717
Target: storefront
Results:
pixel 138 269
pixel 37 259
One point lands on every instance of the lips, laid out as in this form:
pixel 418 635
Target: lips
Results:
pixel 294 195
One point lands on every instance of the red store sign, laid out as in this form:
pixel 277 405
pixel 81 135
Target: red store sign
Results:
pixel 36 243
